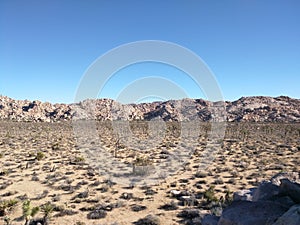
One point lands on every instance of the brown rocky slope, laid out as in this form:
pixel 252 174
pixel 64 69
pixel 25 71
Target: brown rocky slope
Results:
pixel 247 109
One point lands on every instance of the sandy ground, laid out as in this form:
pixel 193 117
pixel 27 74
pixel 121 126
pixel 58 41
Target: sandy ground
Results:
pixel 71 169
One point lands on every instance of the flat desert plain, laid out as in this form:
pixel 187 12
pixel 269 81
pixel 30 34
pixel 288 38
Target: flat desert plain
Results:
pixel 69 179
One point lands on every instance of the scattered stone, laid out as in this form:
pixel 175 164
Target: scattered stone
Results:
pixel 137 208
pixel 126 196
pixel 97 214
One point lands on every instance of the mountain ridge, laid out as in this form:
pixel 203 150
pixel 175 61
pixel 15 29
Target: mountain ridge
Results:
pixel 247 109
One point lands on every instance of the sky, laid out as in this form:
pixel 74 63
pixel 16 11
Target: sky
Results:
pixel 252 47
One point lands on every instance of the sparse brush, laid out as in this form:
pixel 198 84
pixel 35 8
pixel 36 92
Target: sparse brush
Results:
pixel 228 198
pixel 141 165
pixel 47 210
pixel 39 156
pixel 6 206
pixel 142 161
pixel 79 159
pixel 150 219
pixel 79 223
pixel 209 194
pixel 28 211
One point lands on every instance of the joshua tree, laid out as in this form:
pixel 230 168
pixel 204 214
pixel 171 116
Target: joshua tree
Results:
pixel 28 211
pixel 47 210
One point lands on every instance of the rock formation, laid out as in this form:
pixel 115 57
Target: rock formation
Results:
pixel 274 202
pixel 252 109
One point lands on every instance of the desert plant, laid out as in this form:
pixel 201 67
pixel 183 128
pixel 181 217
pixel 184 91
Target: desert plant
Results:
pixel 79 159
pixel 39 156
pixel 169 206
pixel 47 210
pixel 6 206
pixel 209 194
pixel 141 165
pixel 228 198
pixel 28 211
pixel 150 219
pixel 79 223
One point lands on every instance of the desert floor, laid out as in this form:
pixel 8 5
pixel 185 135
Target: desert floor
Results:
pixel 171 168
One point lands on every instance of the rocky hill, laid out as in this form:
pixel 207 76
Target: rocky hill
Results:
pixel 254 109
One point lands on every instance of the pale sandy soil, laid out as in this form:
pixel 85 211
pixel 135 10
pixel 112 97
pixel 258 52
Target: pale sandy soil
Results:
pixel 66 176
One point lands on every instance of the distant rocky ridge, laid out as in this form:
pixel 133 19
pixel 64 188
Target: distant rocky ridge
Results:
pixel 252 109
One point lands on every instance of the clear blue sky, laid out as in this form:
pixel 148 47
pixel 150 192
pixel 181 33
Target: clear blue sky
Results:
pixel 252 46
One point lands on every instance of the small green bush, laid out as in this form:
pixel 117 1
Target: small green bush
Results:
pixel 7 205
pixel 39 156
pixel 209 194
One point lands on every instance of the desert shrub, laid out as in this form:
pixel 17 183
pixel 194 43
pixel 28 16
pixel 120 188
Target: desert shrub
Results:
pixel 28 211
pixel 228 198
pixel 47 210
pixel 169 206
pixel 148 220
pixel 39 156
pixel 79 159
pixel 6 206
pixel 209 194
pixel 137 208
pixel 142 166
pixel 189 213
pixel 97 214
pixel 80 223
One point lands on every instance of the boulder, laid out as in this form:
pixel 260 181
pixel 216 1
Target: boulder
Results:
pixel 210 220
pixel 292 176
pixel 265 191
pixel 250 213
pixel 290 189
pixel 291 217
pixel 244 195
pixel 97 214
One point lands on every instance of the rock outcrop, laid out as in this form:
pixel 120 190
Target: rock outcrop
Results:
pixel 252 109
pixel 274 202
